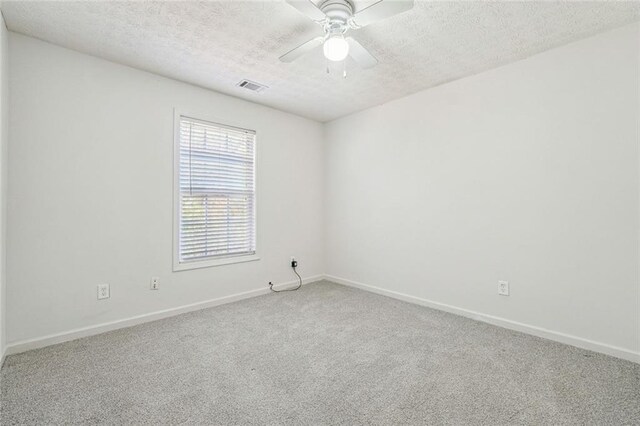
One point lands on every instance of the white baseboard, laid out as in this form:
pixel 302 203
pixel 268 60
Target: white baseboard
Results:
pixel 52 339
pixel 25 345
pixel 501 322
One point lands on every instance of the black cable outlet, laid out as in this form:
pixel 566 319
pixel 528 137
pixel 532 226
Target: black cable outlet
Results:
pixel 294 263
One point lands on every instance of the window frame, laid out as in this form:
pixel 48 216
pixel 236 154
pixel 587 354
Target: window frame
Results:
pixel 222 260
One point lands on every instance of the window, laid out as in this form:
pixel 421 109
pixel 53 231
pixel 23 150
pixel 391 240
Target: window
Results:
pixel 215 194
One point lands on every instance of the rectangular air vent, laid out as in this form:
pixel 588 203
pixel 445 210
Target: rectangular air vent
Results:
pixel 252 85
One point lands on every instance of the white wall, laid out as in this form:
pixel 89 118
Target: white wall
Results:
pixel 4 142
pixel 526 173
pixel 90 192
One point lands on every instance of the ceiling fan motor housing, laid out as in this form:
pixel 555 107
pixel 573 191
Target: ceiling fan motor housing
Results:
pixel 338 12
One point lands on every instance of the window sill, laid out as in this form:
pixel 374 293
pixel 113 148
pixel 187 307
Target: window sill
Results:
pixel 215 262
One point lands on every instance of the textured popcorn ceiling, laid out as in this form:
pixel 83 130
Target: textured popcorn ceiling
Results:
pixel 216 44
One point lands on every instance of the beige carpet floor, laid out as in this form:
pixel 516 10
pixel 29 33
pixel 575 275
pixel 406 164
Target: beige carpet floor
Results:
pixel 326 354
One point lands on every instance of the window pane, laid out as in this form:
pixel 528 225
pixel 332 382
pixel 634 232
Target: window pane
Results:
pixel 217 191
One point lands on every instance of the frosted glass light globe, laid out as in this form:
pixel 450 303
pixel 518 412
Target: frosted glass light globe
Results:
pixel 336 48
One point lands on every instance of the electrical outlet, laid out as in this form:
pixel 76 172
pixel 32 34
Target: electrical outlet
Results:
pixel 503 288
pixel 155 283
pixel 103 291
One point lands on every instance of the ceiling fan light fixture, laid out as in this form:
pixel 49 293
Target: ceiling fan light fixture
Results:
pixel 336 48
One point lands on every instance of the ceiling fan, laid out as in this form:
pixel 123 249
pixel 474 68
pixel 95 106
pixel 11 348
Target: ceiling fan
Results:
pixel 337 17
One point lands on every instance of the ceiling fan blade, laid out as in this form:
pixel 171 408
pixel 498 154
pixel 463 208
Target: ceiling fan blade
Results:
pixel 306 7
pixel 380 10
pixel 304 48
pixel 360 54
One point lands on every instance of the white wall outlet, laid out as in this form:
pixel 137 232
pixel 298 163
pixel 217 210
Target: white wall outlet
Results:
pixel 103 291
pixel 503 288
pixel 155 283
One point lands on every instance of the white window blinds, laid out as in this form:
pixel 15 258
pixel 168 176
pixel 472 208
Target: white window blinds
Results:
pixel 216 191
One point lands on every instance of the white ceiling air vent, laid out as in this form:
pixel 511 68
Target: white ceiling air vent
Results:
pixel 252 85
